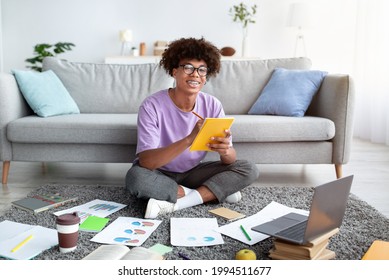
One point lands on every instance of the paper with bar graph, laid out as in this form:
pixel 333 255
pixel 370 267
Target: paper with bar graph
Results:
pixel 97 207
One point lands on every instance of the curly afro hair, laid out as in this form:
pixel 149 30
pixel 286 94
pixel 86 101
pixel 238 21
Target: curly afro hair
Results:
pixel 191 48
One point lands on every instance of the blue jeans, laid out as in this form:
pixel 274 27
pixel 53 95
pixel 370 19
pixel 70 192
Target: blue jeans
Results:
pixel 221 179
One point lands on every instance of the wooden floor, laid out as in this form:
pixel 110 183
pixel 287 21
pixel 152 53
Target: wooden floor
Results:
pixel 369 163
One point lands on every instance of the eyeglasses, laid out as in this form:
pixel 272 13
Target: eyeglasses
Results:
pixel 189 69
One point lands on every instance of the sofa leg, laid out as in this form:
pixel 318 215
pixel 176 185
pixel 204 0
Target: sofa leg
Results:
pixel 338 170
pixel 6 165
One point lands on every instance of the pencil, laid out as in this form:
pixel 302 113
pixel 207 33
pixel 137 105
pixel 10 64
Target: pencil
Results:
pixel 183 256
pixel 245 233
pixel 17 247
pixel 197 115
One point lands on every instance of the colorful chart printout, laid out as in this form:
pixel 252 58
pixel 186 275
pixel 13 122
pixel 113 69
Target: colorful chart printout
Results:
pixel 127 231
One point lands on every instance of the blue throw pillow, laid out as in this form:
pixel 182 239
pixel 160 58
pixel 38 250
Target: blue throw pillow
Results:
pixel 45 93
pixel 288 92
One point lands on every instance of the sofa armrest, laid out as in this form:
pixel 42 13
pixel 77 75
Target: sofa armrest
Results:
pixel 336 101
pixel 13 106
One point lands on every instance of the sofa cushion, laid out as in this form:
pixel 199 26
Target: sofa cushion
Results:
pixel 82 128
pixel 121 129
pixel 288 92
pixel 265 128
pixel 45 93
pixel 109 88
pixel 239 82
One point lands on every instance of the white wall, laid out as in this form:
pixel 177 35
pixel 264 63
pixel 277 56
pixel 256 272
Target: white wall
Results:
pixel 93 26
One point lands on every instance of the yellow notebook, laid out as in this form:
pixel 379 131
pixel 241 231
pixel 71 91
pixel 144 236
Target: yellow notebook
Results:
pixel 379 250
pixel 212 127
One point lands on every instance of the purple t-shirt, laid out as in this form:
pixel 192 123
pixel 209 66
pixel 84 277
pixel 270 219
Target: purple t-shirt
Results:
pixel 161 123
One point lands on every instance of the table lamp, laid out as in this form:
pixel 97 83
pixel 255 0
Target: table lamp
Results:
pixel 126 38
pixel 298 16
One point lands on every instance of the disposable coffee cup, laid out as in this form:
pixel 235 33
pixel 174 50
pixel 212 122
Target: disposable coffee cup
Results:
pixel 67 227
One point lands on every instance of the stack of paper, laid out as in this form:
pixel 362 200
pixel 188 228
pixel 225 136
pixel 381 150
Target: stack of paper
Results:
pixel 271 211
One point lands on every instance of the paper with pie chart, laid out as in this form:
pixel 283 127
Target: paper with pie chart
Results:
pixel 127 231
pixel 194 232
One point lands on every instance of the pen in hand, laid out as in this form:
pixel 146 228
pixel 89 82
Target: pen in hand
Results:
pixel 197 115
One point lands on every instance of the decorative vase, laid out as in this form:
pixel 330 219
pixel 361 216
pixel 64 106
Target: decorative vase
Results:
pixel 245 41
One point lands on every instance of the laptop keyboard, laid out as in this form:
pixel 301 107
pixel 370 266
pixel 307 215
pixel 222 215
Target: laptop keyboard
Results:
pixel 294 232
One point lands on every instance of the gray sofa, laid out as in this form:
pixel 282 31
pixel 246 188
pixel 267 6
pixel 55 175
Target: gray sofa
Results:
pixel 109 95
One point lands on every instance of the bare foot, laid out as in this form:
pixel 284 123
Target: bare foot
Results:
pixel 180 192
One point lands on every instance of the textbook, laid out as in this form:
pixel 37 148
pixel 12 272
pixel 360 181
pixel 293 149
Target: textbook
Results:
pixel 326 254
pixel 122 252
pixel 311 252
pixel 316 249
pixel 378 250
pixel 39 203
pixel 212 127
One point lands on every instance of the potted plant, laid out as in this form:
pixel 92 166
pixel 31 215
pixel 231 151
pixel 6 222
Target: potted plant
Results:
pixel 244 15
pixel 43 50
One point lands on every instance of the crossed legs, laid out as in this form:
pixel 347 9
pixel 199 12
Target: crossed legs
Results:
pixel 206 182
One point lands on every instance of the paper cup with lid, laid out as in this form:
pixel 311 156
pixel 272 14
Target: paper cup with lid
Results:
pixel 68 227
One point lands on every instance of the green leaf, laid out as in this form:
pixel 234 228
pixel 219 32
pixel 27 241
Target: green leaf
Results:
pixel 44 50
pixel 243 14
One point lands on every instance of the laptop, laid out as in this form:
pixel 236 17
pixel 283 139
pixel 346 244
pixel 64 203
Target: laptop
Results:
pixel 326 213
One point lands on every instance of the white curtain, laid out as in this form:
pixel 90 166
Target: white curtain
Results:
pixel 1 39
pixel 371 71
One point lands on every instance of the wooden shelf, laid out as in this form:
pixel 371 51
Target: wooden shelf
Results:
pixel 156 59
